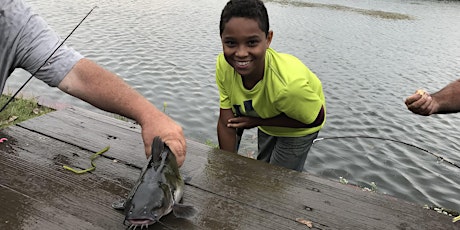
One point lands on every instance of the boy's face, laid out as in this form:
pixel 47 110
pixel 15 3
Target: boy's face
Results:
pixel 244 45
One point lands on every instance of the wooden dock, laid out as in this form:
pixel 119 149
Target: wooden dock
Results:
pixel 229 191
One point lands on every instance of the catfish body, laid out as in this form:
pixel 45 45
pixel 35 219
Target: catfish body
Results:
pixel 158 190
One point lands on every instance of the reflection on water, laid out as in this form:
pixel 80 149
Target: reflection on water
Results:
pixel 367 63
pixel 374 13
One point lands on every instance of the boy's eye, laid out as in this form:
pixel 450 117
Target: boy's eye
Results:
pixel 253 43
pixel 229 43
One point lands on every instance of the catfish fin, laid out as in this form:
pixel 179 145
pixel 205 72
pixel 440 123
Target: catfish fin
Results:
pixel 119 204
pixel 157 147
pixel 184 211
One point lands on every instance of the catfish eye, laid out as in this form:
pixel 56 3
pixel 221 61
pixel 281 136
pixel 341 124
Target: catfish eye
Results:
pixel 155 216
pixel 131 209
pixel 158 204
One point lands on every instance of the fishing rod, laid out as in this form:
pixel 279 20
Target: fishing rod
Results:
pixel 388 139
pixel 62 43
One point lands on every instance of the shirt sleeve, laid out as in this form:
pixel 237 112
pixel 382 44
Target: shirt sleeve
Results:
pixel 224 99
pixel 36 42
pixel 300 101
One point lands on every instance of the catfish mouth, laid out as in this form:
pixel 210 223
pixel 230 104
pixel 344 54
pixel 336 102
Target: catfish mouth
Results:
pixel 141 221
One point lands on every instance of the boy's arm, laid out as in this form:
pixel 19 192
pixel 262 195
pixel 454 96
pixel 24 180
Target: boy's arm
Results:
pixel 281 120
pixel 226 135
pixel 285 121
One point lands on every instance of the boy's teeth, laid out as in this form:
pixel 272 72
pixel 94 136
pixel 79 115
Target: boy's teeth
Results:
pixel 242 63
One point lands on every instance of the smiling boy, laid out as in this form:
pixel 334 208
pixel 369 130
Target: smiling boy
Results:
pixel 262 88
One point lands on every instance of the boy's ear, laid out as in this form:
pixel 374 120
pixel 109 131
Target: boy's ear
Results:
pixel 269 37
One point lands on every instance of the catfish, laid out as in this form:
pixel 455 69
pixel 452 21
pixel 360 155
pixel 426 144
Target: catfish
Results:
pixel 157 192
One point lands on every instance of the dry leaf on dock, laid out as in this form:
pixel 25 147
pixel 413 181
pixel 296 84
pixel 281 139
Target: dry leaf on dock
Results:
pixel 306 222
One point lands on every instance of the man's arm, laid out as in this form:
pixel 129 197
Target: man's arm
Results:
pixel 103 89
pixel 447 100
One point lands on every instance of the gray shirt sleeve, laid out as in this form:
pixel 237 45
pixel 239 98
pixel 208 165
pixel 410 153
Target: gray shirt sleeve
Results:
pixel 26 41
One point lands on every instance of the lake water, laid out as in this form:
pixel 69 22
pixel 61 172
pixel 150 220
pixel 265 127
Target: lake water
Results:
pixel 369 54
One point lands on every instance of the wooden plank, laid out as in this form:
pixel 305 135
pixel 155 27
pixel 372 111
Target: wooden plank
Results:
pixel 33 170
pixel 269 189
pixel 92 131
pixel 299 195
pixel 20 211
pixel 61 197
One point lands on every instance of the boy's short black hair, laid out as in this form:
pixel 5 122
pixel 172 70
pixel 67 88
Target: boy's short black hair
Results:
pixel 254 9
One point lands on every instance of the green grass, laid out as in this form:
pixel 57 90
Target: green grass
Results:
pixel 20 109
pixel 211 144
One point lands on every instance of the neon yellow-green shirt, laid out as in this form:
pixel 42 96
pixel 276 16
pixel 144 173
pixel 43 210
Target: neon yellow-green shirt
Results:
pixel 288 86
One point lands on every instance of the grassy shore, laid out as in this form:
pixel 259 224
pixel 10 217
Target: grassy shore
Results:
pixel 20 109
